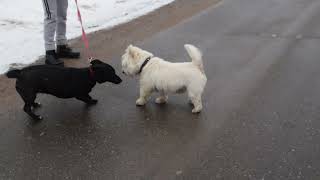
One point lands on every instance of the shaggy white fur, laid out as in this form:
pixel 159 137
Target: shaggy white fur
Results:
pixel 166 77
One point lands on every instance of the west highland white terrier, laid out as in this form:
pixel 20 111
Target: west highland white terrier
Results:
pixel 158 75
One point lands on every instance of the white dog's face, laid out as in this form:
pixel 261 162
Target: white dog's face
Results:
pixel 132 59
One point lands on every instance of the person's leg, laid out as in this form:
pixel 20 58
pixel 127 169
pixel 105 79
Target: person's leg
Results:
pixel 63 50
pixel 62 6
pixel 49 7
pixel 50 14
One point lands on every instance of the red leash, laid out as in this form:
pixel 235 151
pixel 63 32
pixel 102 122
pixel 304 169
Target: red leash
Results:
pixel 84 35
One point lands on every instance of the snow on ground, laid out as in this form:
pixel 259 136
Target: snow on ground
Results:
pixel 21 24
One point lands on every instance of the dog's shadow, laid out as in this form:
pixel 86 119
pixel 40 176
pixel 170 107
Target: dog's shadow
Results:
pixel 168 115
pixel 69 114
pixel 62 131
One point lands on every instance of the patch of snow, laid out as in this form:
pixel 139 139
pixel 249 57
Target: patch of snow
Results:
pixel 21 24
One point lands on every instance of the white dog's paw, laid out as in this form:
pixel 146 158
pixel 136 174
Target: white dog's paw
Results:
pixel 141 102
pixel 197 109
pixel 161 100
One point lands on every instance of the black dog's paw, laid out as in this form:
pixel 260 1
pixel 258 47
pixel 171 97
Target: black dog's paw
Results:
pixel 92 102
pixel 38 118
pixel 28 110
pixel 36 105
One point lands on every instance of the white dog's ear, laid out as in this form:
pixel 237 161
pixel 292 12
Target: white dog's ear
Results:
pixel 132 52
pixel 129 47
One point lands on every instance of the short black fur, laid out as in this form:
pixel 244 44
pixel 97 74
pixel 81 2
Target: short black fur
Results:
pixel 61 82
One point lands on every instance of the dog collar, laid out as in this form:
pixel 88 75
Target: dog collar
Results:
pixel 144 64
pixel 91 72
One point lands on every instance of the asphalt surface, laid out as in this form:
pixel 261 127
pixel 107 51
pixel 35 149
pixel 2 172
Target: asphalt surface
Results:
pixel 261 117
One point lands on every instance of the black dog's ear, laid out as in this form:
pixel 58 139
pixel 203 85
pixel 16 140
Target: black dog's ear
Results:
pixel 96 61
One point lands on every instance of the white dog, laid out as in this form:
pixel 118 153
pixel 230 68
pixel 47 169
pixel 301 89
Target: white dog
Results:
pixel 165 77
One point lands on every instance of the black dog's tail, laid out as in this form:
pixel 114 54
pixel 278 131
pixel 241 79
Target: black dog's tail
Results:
pixel 14 73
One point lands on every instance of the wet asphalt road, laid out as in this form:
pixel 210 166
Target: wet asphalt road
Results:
pixel 261 117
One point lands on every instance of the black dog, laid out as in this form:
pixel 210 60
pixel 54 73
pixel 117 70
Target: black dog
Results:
pixel 61 82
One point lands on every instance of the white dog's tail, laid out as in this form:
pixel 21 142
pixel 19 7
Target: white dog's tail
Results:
pixel 195 55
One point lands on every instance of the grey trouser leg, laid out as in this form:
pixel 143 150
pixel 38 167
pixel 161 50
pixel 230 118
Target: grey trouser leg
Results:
pixel 55 23
pixel 62 6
